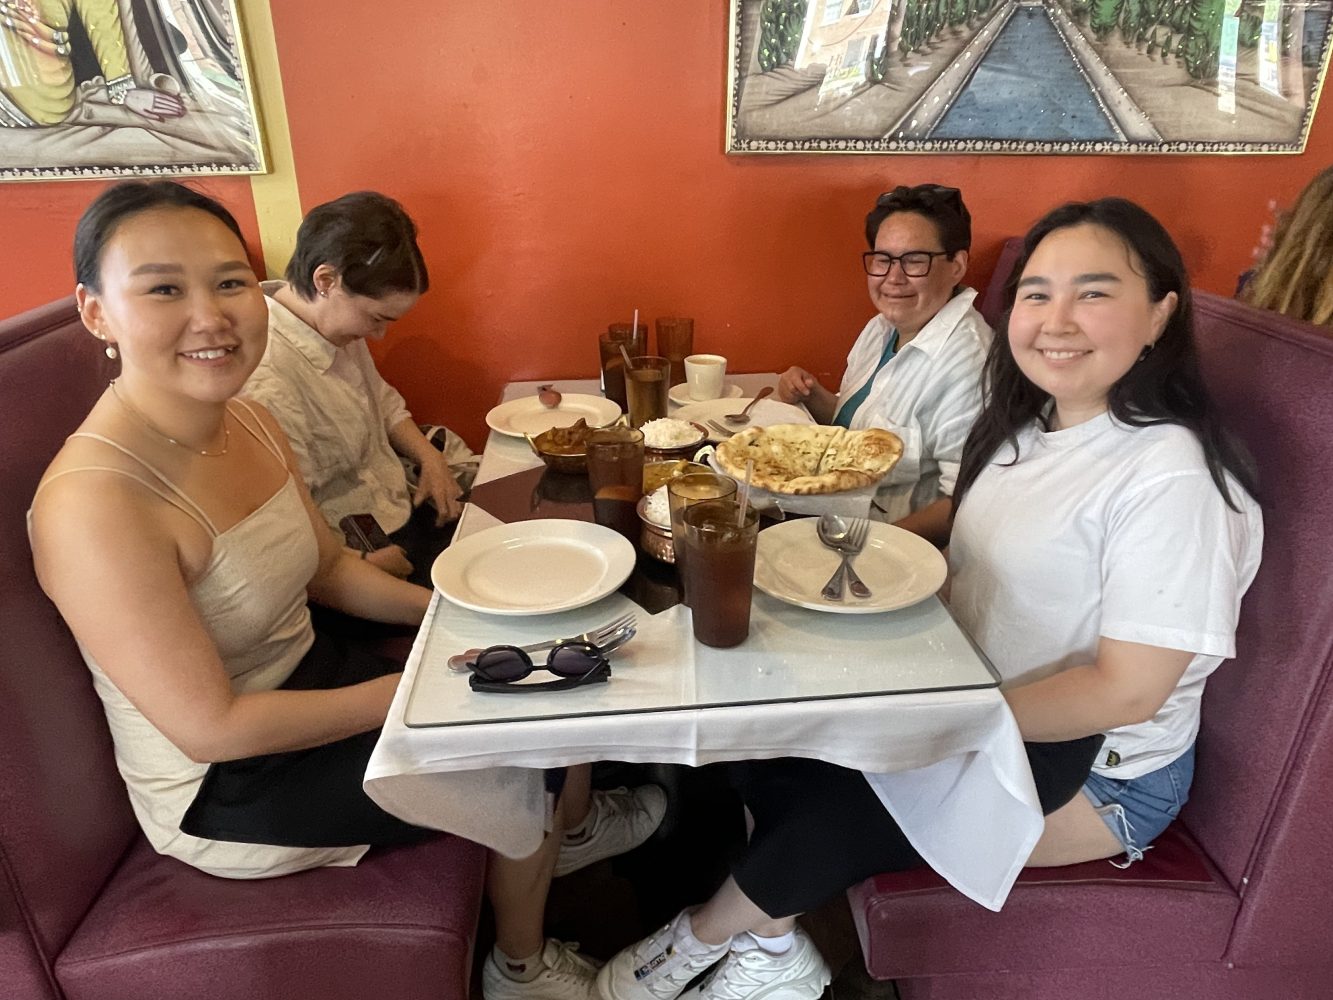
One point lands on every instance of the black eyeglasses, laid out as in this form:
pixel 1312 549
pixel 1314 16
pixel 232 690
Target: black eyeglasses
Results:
pixel 574 663
pixel 915 263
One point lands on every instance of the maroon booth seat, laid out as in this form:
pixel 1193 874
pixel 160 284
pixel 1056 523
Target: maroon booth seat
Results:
pixel 1236 899
pixel 88 911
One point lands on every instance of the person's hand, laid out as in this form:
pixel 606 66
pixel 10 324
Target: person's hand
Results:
pixel 437 483
pixel 392 559
pixel 795 385
pixel 154 104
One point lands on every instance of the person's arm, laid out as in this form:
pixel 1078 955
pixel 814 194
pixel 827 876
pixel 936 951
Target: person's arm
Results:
pixel 931 522
pixel 1128 683
pixel 435 481
pixel 343 580
pixel 114 571
pixel 798 386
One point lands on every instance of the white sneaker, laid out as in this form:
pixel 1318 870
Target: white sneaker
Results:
pixel 621 820
pixel 799 973
pixel 567 976
pixel 654 969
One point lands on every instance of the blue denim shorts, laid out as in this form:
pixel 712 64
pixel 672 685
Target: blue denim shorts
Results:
pixel 1137 810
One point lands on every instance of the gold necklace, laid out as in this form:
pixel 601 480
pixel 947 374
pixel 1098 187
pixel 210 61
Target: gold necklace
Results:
pixel 226 431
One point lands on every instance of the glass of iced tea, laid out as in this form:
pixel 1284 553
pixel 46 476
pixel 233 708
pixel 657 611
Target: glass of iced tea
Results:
pixel 719 569
pixel 684 491
pixel 675 341
pixel 615 476
pixel 635 343
pixel 646 384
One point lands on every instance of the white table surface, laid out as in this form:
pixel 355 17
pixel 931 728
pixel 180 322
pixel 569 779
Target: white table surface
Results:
pixel 902 696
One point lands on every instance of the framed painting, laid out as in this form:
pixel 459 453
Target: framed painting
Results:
pixel 1025 76
pixel 112 88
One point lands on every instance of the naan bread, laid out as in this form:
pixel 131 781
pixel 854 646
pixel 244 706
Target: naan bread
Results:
pixel 810 460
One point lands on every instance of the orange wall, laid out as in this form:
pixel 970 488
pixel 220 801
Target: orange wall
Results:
pixel 564 162
pixel 37 233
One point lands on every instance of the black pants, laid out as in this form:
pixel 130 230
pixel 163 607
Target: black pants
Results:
pixel 304 798
pixel 423 542
pixel 820 828
pixel 314 797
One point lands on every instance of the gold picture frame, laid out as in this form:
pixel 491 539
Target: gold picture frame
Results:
pixel 125 88
pixel 1025 76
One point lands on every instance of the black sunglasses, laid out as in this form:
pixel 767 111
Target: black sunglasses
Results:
pixel 574 663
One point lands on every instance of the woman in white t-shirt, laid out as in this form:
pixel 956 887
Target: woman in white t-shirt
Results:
pixel 1104 535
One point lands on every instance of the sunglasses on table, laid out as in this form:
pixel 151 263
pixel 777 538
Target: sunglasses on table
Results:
pixel 498 668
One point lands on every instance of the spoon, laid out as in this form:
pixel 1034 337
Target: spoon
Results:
pixel 744 416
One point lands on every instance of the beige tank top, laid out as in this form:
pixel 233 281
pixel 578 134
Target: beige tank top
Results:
pixel 252 599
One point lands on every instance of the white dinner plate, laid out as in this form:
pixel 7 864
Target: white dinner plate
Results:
pixel 533 567
pixel 765 413
pixel 680 394
pixel 527 415
pixel 900 568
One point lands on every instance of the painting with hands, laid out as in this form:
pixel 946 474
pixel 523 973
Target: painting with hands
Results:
pixel 93 88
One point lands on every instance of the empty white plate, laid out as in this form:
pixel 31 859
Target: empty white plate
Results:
pixel 533 567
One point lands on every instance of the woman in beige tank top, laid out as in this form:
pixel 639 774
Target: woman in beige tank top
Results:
pixel 180 548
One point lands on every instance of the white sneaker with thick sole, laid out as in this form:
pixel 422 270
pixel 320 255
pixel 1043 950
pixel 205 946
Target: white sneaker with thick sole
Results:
pixel 654 969
pixel 799 973
pixel 622 819
pixel 567 976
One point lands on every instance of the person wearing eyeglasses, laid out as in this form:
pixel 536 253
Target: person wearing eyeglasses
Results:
pixel 916 367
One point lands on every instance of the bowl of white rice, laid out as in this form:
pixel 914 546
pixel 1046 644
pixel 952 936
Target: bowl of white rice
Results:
pixel 668 437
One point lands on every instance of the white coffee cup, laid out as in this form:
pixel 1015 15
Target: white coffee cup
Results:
pixel 705 375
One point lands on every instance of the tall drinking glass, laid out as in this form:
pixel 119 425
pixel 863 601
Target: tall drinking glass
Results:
pixel 683 492
pixel 719 569
pixel 615 476
pixel 635 342
pixel 646 386
pixel 675 342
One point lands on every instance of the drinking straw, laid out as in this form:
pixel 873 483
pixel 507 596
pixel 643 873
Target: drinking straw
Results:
pixel 625 354
pixel 633 332
pixel 745 493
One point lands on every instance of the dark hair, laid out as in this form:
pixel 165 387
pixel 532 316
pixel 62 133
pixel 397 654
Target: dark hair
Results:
pixel 123 201
pixel 368 239
pixel 941 205
pixel 1163 387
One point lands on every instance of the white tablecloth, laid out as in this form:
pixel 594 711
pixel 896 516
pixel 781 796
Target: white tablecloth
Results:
pixel 949 765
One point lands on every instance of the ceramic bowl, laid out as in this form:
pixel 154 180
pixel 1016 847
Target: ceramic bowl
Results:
pixel 655 539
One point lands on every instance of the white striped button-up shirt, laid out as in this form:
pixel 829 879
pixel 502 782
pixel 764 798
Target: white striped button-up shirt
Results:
pixel 928 394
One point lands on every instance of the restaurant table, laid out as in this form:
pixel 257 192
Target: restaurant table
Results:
pixel 903 696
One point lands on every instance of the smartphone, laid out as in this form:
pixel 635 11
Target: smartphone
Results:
pixel 363 532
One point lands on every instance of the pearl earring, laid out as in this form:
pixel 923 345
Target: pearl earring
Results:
pixel 111 352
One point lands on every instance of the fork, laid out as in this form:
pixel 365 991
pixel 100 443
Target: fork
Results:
pixel 726 432
pixel 614 633
pixel 851 545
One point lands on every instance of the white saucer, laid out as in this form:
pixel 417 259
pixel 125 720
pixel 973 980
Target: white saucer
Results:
pixel 533 567
pixel 900 568
pixel 527 415
pixel 680 394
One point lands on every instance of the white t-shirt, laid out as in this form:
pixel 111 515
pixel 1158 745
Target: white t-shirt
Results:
pixel 1105 530
pixel 928 394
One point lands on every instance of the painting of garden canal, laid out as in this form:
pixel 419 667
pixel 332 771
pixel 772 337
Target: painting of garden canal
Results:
pixel 1018 76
